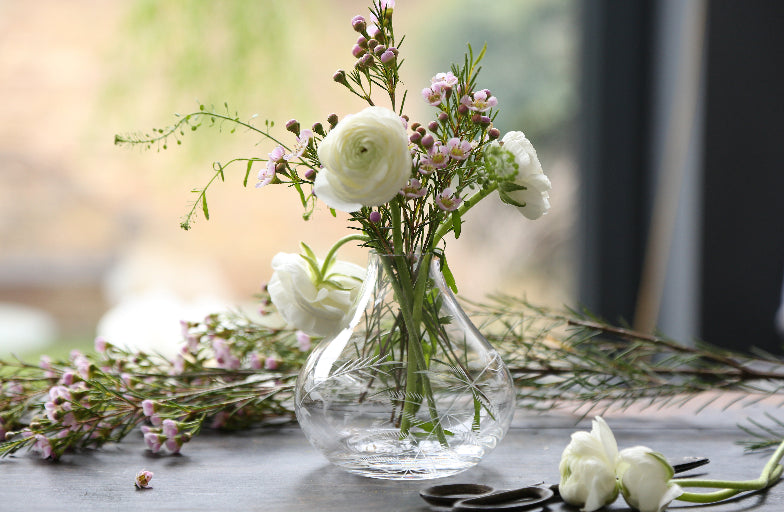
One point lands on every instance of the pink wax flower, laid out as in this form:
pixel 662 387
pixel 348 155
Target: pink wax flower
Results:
pixel 449 79
pixel 302 143
pixel 153 441
pixel 447 200
pixel 414 189
pixel 170 428
pixel 148 408
pixel 480 101
pixel 439 155
pixel 101 344
pixel 43 446
pixel 434 95
pixel 426 166
pixel 142 480
pixel 458 149
pixel 255 361
pixel 271 363
pixel 266 174
pixel 68 378
pixel 303 339
pixel 174 444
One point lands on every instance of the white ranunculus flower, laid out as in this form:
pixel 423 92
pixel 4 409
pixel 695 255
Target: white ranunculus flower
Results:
pixel 530 191
pixel 366 160
pixel 588 468
pixel 644 477
pixel 318 309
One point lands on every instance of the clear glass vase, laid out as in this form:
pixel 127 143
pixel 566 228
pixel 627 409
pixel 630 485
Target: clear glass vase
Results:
pixel 409 389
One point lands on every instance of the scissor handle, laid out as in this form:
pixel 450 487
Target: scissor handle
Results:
pixel 514 500
pixel 447 494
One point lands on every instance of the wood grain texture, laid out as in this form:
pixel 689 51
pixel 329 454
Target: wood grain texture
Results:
pixel 277 470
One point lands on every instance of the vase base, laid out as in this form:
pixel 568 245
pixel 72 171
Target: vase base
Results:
pixel 404 468
pixel 387 459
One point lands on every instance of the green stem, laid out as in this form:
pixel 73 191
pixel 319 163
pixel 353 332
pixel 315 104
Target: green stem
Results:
pixel 467 205
pixel 331 254
pixel 411 297
pixel 770 474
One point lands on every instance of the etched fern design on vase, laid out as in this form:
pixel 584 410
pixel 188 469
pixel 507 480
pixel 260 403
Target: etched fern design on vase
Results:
pixel 410 389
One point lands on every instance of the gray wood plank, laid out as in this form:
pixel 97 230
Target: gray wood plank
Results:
pixel 277 470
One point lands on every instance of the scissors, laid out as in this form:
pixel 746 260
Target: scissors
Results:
pixel 480 497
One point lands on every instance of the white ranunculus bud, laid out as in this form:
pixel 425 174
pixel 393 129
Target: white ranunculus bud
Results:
pixel 588 468
pixel 644 477
pixel 318 309
pixel 530 191
pixel 366 160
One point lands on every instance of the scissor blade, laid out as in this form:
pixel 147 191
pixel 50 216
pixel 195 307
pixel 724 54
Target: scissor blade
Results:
pixel 688 463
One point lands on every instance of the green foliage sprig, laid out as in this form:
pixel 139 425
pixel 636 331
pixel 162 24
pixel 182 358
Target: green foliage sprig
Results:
pixel 236 373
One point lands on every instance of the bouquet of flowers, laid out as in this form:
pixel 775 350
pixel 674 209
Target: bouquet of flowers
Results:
pixel 406 186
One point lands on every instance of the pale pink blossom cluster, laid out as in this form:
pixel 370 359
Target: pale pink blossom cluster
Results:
pixel 168 435
pixel 433 153
pixel 278 158
pixel 223 355
pixel 66 405
pixel 442 85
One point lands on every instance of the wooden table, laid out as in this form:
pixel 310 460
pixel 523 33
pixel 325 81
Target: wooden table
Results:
pixel 277 470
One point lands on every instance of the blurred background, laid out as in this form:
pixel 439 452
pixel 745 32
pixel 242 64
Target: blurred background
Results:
pixel 641 118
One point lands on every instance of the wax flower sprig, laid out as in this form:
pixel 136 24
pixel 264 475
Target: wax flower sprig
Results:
pixel 229 374
pixel 594 472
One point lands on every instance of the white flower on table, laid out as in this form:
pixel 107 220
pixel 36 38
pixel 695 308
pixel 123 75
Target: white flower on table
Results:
pixel 644 477
pixel 316 305
pixel 588 468
pixel 366 160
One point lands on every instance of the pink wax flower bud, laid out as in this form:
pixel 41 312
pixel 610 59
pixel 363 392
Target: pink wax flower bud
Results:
pixel 148 407
pixel 388 58
pixel 153 441
pixel 255 361
pixel 292 125
pixel 375 217
pixel 303 339
pixel 359 23
pixel 101 344
pixel 364 62
pixel 339 76
pixel 170 428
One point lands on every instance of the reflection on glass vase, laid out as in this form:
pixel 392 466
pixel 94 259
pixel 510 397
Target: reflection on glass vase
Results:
pixel 409 389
